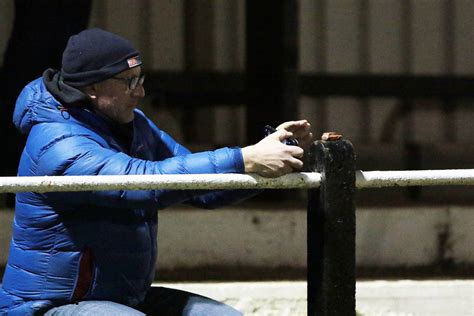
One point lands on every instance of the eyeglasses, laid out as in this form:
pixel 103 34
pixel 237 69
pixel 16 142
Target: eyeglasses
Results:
pixel 133 82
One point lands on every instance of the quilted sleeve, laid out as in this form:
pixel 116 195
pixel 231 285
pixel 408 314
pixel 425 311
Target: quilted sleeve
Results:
pixel 208 199
pixel 80 155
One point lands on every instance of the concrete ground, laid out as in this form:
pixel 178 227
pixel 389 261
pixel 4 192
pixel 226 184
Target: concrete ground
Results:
pixel 374 298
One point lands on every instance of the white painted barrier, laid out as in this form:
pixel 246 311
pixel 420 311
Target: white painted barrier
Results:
pixel 379 179
pixel 303 180
pixel 169 181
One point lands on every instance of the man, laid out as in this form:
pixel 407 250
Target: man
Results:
pixel 94 253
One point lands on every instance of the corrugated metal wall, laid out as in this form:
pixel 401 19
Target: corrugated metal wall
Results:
pixel 337 36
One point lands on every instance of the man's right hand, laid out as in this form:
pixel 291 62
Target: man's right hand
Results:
pixel 271 158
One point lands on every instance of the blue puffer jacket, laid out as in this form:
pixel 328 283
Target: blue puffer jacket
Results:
pixel 99 245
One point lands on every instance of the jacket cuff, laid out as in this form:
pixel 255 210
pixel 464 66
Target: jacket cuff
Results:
pixel 230 160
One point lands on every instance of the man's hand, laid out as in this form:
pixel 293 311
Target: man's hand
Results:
pixel 270 158
pixel 301 131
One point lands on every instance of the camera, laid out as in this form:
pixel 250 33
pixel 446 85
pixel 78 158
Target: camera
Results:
pixel 289 141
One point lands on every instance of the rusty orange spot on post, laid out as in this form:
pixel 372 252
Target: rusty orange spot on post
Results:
pixel 330 136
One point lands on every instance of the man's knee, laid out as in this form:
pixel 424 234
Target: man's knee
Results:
pixel 105 308
pixel 198 306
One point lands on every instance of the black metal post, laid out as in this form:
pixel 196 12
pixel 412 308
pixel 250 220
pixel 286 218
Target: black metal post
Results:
pixel 331 230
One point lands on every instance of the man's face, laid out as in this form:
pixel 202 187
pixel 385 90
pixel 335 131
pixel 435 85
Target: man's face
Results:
pixel 115 99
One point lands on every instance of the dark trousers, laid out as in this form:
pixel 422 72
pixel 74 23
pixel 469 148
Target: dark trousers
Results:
pixel 159 301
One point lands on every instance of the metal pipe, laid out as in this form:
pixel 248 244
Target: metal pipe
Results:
pixel 303 180
pixel 379 179
pixel 143 182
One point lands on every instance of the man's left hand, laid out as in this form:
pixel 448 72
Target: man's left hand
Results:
pixel 301 131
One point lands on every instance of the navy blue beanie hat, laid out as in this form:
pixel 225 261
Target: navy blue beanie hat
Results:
pixel 94 55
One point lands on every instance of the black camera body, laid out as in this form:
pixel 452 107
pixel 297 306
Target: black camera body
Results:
pixel 289 141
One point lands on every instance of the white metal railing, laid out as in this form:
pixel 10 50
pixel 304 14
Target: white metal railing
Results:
pixel 378 179
pixel 303 180
pixel 171 181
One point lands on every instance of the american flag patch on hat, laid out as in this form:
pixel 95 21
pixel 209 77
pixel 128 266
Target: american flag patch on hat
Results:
pixel 134 61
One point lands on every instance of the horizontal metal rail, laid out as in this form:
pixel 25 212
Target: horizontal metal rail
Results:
pixel 217 88
pixel 147 182
pixel 405 178
pixel 303 180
